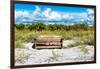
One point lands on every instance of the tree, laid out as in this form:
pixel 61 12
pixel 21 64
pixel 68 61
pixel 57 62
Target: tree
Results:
pixel 39 26
pixel 20 26
pixel 51 27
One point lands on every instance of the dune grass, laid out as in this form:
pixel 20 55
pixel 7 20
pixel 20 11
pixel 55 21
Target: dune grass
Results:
pixel 54 55
pixel 84 49
pixel 82 37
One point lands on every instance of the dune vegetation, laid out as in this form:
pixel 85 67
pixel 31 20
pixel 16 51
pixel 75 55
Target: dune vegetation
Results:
pixel 81 33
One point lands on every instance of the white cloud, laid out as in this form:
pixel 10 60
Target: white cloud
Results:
pixel 90 15
pixel 90 11
pixel 37 13
pixel 48 15
pixel 21 14
pixel 37 10
pixel 55 16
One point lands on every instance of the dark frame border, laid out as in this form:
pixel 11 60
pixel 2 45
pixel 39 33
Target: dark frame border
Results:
pixel 12 37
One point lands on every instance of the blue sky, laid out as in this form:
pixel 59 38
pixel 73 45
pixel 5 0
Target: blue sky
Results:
pixel 30 13
pixel 31 8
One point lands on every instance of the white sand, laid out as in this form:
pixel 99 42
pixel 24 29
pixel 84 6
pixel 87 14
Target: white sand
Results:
pixel 45 56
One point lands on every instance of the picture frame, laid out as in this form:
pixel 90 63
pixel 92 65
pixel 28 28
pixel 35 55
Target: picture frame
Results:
pixel 12 31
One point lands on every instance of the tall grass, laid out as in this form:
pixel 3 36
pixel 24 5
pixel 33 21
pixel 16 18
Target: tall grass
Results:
pixel 83 37
pixel 84 49
pixel 86 39
pixel 54 55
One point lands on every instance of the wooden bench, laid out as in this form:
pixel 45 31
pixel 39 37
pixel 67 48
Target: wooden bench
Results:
pixel 43 42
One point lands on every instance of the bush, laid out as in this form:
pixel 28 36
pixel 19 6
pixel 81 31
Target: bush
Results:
pixel 20 26
pixel 39 26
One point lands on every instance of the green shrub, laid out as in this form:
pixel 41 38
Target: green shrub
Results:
pixel 39 26
pixel 20 26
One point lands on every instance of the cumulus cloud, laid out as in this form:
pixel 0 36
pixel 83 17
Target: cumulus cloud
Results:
pixel 90 11
pixel 47 12
pixel 22 16
pixel 37 12
pixel 50 15
pixel 90 15
pixel 55 16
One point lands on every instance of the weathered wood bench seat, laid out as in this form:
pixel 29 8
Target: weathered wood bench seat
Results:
pixel 49 42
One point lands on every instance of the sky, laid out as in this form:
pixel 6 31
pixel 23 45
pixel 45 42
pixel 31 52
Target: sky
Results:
pixel 48 14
